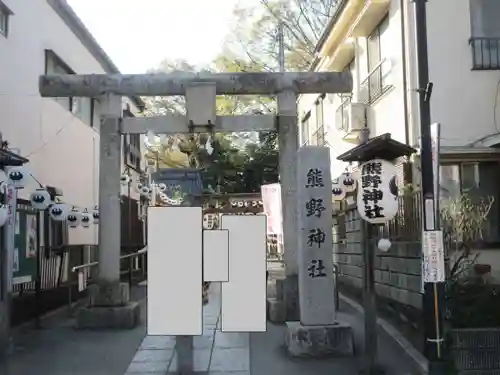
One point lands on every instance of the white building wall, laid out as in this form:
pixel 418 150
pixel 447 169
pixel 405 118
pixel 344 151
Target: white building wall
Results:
pixel 63 151
pixel 463 100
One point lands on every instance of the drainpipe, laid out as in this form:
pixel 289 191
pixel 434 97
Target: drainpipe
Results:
pixel 405 70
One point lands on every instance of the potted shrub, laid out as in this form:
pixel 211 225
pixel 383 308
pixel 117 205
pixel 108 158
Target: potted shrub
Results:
pixel 472 297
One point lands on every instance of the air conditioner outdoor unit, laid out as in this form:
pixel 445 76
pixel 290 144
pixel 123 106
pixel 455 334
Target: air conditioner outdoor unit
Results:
pixel 150 165
pixel 351 118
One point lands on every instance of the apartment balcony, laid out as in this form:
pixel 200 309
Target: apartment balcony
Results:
pixel 377 83
pixel 343 55
pixel 485 53
pixel 370 16
pixel 319 137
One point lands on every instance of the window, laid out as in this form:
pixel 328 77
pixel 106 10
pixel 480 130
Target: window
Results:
pixel 54 65
pixel 377 47
pixel 83 108
pixel 305 128
pixel 480 181
pixel 132 147
pixel 318 137
pixel 485 34
pixel 5 14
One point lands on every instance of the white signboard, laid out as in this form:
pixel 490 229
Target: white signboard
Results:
pixel 433 249
pixel 271 200
pixel 378 192
pixel 435 142
pixel 10 228
pixel 315 245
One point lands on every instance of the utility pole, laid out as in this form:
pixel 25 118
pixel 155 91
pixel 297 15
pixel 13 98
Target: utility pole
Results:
pixel 433 292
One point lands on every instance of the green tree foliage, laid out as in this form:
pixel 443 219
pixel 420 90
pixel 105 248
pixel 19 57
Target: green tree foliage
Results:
pixel 242 162
pixel 229 168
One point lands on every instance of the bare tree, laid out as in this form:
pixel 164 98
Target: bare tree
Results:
pixel 255 31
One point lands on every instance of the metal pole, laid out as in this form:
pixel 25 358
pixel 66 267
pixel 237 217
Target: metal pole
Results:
pixel 433 292
pixel 371 366
pixel 7 253
pixel 38 280
pixel 129 235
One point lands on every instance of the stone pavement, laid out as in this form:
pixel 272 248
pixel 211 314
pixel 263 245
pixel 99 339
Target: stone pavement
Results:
pixel 214 353
pixel 220 353
pixel 59 349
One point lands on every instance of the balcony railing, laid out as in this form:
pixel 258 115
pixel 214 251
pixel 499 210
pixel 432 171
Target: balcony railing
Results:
pixel 318 137
pixel 342 113
pixel 485 53
pixel 376 83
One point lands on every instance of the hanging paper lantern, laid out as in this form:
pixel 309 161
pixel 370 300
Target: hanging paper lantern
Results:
pixel 40 199
pixel 59 211
pixel 162 187
pixel 348 182
pixel 138 187
pixel 74 218
pixel 4 215
pixel 378 199
pixel 145 191
pixel 95 215
pixel 338 191
pixel 124 179
pixel 18 176
pixel 85 218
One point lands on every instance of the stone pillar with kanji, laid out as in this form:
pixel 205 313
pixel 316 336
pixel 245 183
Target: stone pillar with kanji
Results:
pixel 319 332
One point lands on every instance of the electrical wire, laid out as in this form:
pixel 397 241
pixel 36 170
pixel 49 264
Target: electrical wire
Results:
pixel 68 123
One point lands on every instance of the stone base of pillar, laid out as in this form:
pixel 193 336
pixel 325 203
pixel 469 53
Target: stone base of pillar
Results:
pixel 109 308
pixel 335 340
pixel 287 290
pixel 276 310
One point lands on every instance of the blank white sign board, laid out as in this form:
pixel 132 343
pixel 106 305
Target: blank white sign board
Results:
pixel 175 271
pixel 244 295
pixel 216 255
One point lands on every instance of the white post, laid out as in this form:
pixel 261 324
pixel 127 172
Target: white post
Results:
pixel 6 270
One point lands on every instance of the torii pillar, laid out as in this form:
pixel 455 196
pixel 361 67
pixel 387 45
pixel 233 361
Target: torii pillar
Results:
pixel 200 117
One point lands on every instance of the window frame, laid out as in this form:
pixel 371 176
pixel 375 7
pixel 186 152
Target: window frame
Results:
pixel 51 56
pixel 485 47
pixel 72 102
pixel 375 76
pixel 130 142
pixel 460 164
pixel 319 132
pixel 305 127
pixel 5 14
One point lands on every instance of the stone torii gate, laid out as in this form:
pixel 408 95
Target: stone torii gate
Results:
pixel 200 91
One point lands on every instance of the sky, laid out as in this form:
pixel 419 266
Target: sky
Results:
pixel 138 34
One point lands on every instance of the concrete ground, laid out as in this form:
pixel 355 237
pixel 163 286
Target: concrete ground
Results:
pixel 219 353
pixel 58 349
